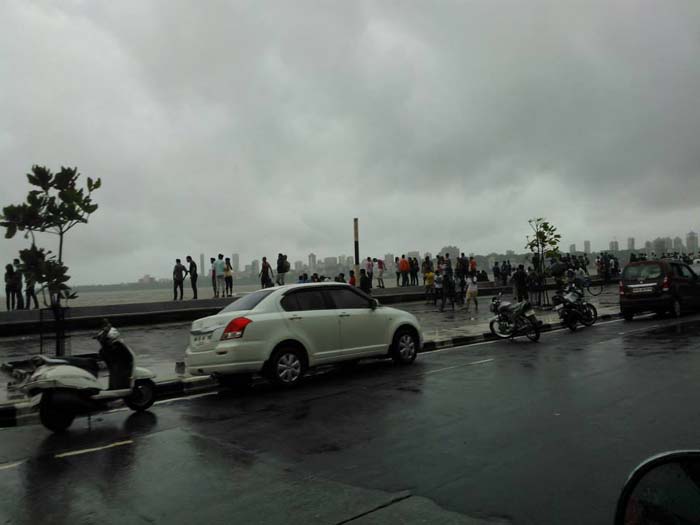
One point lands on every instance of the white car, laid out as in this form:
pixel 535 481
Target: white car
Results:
pixel 281 332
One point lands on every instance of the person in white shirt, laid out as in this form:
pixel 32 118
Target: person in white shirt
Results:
pixel 220 267
pixel 369 270
pixel 472 292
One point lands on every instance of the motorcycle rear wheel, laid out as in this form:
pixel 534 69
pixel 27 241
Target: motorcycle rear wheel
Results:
pixel 533 330
pixel 590 316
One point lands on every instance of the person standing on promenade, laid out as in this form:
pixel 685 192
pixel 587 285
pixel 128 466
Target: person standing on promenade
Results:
pixel 365 282
pixel 10 288
pixel 438 287
pixel 352 281
pixel 30 291
pixel 266 274
pixel 369 270
pixel 429 282
pixel 18 276
pixel 212 271
pixel 380 273
pixel 397 269
pixel 192 271
pixel 220 265
pixel 472 291
pixel 280 269
pixel 404 267
pixel 228 277
pixel 520 283
pixel 496 274
pixel 178 277
pixel 448 266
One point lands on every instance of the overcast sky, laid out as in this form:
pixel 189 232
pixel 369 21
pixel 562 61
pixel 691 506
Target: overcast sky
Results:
pixel 259 127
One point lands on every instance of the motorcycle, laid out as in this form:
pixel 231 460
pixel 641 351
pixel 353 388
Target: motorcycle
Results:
pixel 513 320
pixel 572 309
pixel 69 386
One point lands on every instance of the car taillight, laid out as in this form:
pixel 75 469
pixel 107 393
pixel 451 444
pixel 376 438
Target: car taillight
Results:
pixel 665 285
pixel 622 288
pixel 235 328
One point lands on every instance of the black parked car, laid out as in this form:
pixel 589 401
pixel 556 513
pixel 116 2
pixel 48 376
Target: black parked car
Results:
pixel 658 286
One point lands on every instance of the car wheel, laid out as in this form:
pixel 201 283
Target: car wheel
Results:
pixel 676 308
pixel 405 347
pixel 627 316
pixel 287 367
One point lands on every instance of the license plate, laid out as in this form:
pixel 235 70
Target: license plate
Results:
pixel 199 339
pixel 647 289
pixel 528 313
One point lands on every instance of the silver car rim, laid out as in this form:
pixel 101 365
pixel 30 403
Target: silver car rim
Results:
pixel 407 347
pixel 288 368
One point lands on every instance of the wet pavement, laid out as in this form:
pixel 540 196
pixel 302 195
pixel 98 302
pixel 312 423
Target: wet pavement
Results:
pixel 500 432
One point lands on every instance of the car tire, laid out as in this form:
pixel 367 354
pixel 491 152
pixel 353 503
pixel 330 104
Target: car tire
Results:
pixel 676 308
pixel 627 316
pixel 287 367
pixel 404 348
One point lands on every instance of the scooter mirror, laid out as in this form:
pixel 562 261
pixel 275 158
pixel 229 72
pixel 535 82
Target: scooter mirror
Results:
pixel 663 490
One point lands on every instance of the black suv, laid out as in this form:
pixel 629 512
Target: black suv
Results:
pixel 658 286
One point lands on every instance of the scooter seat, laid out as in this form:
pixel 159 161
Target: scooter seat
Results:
pixel 86 363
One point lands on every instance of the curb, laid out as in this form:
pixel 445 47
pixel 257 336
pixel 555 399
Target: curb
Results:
pixel 25 412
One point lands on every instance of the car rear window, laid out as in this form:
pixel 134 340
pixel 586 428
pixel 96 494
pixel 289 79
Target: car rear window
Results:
pixel 247 302
pixel 642 271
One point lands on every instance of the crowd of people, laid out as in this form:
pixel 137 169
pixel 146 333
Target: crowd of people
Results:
pixel 18 297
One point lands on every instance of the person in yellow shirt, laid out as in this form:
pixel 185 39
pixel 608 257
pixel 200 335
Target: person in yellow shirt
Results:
pixel 429 279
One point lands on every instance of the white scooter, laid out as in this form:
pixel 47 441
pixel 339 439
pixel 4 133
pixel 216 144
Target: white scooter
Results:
pixel 69 386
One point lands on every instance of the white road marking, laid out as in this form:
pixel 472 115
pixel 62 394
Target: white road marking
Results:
pixel 11 465
pixel 95 449
pixel 458 366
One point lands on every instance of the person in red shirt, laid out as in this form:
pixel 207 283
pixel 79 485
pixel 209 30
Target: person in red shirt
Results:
pixel 352 281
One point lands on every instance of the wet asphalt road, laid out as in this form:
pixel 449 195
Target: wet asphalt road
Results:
pixel 505 432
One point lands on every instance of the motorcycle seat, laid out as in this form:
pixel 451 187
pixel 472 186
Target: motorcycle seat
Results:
pixel 504 306
pixel 85 363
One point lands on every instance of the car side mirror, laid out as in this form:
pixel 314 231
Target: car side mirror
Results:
pixel 663 489
pixel 374 303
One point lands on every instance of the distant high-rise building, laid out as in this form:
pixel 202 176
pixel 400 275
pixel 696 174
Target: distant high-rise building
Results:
pixel 587 247
pixel 312 261
pixel 330 264
pixel 630 243
pixel 668 244
pixel 255 267
pixel 572 249
pixel 659 246
pixel 614 246
pixel 452 250
pixel 510 253
pixel 389 260
pixel 691 242
pixel 235 262
pixel 202 268
pixel 648 247
pixel 414 253
pixel 678 244
pixel 298 266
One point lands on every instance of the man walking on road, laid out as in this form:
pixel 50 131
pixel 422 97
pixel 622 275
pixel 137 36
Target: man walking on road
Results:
pixel 520 283
pixel 212 272
pixel 193 275
pixel 179 272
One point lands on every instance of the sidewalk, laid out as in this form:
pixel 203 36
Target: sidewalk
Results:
pixel 159 347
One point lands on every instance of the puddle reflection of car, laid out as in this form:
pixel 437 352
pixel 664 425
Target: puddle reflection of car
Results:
pixel 658 286
pixel 281 332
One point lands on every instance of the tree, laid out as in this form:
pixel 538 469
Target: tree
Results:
pixel 55 205
pixel 543 244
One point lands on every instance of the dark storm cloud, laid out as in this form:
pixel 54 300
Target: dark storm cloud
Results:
pixel 263 127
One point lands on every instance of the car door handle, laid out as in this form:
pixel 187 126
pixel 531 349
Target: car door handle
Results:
pixel 295 318
pixel 344 315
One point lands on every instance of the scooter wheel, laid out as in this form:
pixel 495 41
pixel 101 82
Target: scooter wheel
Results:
pixel 142 396
pixel 52 417
pixel 533 331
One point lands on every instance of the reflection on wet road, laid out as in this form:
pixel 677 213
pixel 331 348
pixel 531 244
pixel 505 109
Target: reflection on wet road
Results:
pixel 505 431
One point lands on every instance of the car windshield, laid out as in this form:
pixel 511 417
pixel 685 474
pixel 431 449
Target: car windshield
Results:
pixel 642 271
pixel 247 302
